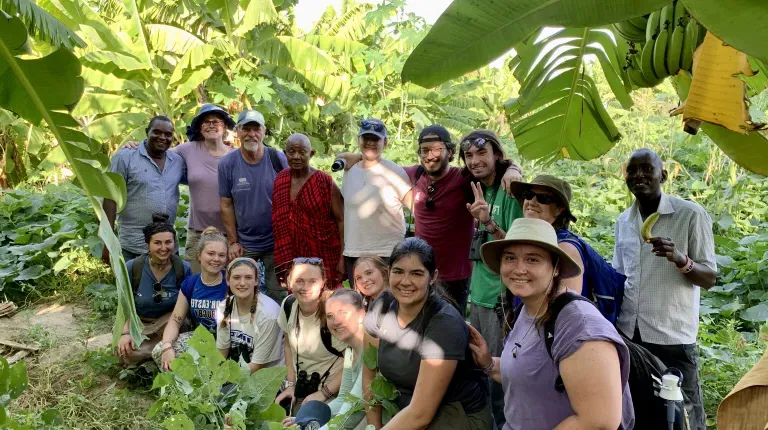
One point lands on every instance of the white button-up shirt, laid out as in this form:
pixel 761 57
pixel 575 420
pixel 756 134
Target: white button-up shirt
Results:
pixel 658 299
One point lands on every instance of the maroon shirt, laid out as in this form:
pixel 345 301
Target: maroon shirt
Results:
pixel 448 226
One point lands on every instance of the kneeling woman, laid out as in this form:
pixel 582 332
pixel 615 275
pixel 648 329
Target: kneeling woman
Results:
pixel 423 349
pixel 248 332
pixel 588 356
pixel 312 355
pixel 201 293
pixel 155 280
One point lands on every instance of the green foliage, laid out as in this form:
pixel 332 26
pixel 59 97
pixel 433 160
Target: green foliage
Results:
pixel 205 390
pixel 13 382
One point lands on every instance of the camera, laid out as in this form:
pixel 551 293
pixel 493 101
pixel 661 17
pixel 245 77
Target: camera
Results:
pixel 478 239
pixel 306 384
pixel 240 350
pixel 338 164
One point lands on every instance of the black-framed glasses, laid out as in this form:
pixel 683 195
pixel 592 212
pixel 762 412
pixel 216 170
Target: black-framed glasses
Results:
pixel 158 289
pixel 431 190
pixel 477 142
pixel 315 261
pixel 372 125
pixel 423 152
pixel 214 122
pixel 544 199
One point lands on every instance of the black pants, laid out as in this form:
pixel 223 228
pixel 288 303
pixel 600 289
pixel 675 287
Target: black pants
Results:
pixel 459 291
pixel 686 359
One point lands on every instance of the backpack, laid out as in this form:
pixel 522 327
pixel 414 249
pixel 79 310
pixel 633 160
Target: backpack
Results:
pixel 605 286
pixel 645 372
pixel 274 159
pixel 325 334
pixel 409 232
pixel 138 266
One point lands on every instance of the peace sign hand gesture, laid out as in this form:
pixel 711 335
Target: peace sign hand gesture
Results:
pixel 479 209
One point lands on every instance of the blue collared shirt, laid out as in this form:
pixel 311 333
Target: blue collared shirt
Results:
pixel 149 190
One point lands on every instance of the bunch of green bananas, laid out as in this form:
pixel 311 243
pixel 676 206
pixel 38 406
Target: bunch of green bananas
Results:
pixel 671 36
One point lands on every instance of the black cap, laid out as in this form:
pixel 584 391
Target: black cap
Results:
pixel 439 131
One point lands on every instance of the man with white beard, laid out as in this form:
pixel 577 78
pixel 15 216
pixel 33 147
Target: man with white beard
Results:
pixel 246 179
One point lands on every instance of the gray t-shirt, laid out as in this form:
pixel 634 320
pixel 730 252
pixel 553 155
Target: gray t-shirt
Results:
pixel 446 337
pixel 530 399
pixel 250 188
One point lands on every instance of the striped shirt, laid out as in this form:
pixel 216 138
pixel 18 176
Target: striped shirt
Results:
pixel 148 191
pixel 658 299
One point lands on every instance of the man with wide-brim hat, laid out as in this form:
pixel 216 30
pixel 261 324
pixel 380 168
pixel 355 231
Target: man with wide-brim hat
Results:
pixel 588 354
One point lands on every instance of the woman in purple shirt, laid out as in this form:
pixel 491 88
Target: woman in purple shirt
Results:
pixel 587 352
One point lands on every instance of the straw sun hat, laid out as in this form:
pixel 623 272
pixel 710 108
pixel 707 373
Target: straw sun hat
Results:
pixel 533 232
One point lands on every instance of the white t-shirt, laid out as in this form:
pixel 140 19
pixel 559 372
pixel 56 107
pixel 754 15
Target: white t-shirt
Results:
pixel 373 212
pixel 263 337
pixel 313 357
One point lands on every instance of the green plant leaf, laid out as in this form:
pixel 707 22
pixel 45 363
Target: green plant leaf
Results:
pixel 758 314
pixel 32 272
pixel 371 357
pixel 171 39
pixel 42 24
pixel 100 103
pixel 257 13
pixel 739 23
pixel 52 417
pixel 260 387
pixel 115 124
pixel 469 35
pixel 17 379
pixel 178 422
pixel 296 53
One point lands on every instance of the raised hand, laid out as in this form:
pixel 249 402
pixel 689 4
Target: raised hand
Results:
pixel 479 209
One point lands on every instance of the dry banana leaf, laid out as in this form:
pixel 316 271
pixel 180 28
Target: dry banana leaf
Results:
pixel 744 408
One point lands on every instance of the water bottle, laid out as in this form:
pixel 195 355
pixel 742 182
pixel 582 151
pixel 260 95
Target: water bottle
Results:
pixel 338 164
pixel 671 381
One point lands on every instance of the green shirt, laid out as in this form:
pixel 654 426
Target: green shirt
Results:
pixel 485 286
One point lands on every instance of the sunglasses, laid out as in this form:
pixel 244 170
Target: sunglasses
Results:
pixel 431 190
pixel 544 199
pixel 372 125
pixel 477 142
pixel 315 261
pixel 158 289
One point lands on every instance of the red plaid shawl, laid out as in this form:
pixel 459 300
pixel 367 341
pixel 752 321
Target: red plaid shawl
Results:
pixel 305 227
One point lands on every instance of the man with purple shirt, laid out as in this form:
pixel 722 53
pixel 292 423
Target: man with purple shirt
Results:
pixel 246 179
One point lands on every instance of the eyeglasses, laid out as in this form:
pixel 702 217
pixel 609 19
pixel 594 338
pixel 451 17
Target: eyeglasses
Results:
pixel 214 122
pixel 478 142
pixel 544 199
pixel 423 152
pixel 315 261
pixel 371 125
pixel 431 190
pixel 158 289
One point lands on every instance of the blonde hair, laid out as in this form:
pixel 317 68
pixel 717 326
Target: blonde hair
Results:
pixel 210 234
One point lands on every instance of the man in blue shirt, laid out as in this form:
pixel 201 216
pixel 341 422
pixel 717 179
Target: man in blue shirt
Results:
pixel 152 175
pixel 246 179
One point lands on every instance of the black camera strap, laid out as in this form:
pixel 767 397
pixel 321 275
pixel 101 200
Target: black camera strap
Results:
pixel 298 331
pixel 492 203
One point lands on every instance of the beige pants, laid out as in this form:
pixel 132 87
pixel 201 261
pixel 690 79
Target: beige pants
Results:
pixel 190 249
pixel 153 329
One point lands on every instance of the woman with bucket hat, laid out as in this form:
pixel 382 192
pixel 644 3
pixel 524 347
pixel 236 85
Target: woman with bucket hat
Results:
pixel 563 365
pixel 548 198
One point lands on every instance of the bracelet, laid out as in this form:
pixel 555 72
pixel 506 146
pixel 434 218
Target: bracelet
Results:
pixel 126 333
pixel 288 384
pixel 166 350
pixel 687 267
pixel 489 368
pixel 326 392
pixel 487 223
pixel 515 167
pixel 495 229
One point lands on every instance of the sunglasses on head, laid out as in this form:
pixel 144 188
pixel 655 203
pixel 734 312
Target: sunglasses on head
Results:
pixel 315 261
pixel 477 142
pixel 157 295
pixel 544 199
pixel 372 125
pixel 431 190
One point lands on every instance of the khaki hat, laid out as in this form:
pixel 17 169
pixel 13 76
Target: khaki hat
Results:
pixel 559 187
pixel 533 232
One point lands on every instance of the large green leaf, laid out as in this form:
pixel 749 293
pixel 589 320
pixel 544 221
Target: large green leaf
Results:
pixel 559 113
pixel 100 103
pixel 79 16
pixel 86 161
pixel 194 58
pixel 332 87
pixel 42 24
pixel 739 23
pixel 56 76
pixel 171 39
pixel 113 125
pixel 295 53
pixel 258 12
pixel 470 34
pixel 352 24
pixel 335 44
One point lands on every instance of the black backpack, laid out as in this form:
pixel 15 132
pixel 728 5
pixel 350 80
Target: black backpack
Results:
pixel 274 159
pixel 645 371
pixel 325 334
pixel 138 266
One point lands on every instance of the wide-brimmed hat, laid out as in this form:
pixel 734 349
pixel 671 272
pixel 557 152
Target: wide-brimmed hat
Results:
pixel 559 187
pixel 533 232
pixel 193 129
pixel 313 411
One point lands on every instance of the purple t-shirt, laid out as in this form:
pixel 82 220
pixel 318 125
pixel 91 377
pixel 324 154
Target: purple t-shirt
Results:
pixel 530 399
pixel 250 188
pixel 203 180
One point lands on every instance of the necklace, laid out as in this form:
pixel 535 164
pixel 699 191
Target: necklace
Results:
pixel 158 264
pixel 212 284
pixel 518 345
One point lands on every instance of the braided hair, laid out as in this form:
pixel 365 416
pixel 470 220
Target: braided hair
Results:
pixel 160 224
pixel 237 262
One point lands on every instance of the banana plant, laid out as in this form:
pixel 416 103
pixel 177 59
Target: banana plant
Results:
pixel 37 95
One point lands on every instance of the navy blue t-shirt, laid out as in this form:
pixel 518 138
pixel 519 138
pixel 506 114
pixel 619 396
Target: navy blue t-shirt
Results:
pixel 144 296
pixel 204 299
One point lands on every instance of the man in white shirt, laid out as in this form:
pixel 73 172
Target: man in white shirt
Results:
pixel 661 295
pixel 374 192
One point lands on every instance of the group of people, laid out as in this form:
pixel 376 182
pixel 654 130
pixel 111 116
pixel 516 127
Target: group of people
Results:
pixel 484 242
